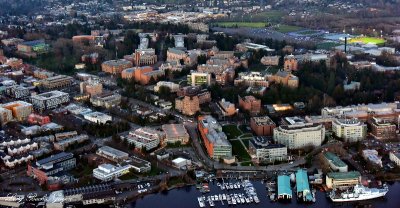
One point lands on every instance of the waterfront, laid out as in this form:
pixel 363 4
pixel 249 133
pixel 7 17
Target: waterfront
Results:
pixel 187 197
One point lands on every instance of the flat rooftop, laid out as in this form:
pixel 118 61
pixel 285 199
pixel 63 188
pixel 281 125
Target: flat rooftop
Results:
pixel 115 152
pixel 49 95
pixel 118 62
pixel 138 162
pixel 55 157
pixel 174 130
pixel 344 175
pixel 334 159
pixel 264 120
pixel 264 142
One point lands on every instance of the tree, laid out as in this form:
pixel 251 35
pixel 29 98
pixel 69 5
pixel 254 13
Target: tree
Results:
pixel 116 139
pixel 164 92
pixel 202 59
pixel 338 93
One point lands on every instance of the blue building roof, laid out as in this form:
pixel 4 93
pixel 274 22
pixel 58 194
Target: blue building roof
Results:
pixel 54 158
pixel 302 183
pixel 284 185
pixel 33 42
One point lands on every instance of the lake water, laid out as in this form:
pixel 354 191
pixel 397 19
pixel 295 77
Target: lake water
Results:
pixel 186 197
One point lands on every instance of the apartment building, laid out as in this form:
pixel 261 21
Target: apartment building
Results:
pixel 49 100
pixel 56 82
pixel 188 105
pixel 350 130
pixel 382 129
pixel 20 110
pixel 299 135
pixel 145 137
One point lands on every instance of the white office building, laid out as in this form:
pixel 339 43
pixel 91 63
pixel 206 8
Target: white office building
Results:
pixel 351 130
pixel 170 85
pixel 299 135
pixel 261 149
pixel 108 172
pixel 98 117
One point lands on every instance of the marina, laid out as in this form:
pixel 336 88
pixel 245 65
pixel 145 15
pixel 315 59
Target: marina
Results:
pixel 234 192
pixel 188 197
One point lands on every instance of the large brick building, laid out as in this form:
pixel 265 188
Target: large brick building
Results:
pixel 382 129
pixel 115 66
pixel 290 63
pixel 262 126
pixel 143 75
pixel 250 104
pixel 50 168
pixel 215 140
pixel 188 105
pixel 285 78
pixel 56 82
pixel 91 87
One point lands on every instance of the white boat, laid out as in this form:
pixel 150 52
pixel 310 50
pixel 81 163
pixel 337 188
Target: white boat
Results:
pixel 256 200
pixel 201 202
pixel 233 201
pixel 359 193
pixel 211 203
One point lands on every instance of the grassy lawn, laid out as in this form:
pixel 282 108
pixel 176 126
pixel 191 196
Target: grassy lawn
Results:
pixel 78 172
pixel 247 135
pixel 128 176
pixel 239 151
pixel 246 142
pixel 269 15
pixel 287 28
pixel 245 128
pixel 231 131
pixel 367 40
pixel 308 32
pixel 327 45
pixel 241 24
